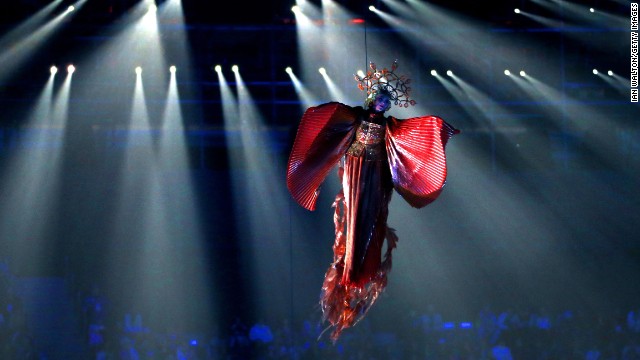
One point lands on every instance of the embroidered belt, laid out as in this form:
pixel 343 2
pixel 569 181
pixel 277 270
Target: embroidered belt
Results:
pixel 370 133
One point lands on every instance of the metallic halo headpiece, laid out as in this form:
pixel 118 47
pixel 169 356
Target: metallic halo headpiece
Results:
pixel 388 81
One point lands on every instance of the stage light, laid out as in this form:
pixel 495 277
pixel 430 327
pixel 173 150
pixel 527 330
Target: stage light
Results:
pixel 322 71
pixel 172 69
pixel 71 8
pixel 153 8
pixel 507 72
pixel 592 10
pixel 234 68
pixel 71 69
pixel 218 68
pixel 522 73
pixel 449 73
pixel 53 70
pixel 610 73
pixel 138 70
pixel 372 8
pixel 434 73
pixel 288 70
pixel 595 71
pixel 516 10
pixel 295 8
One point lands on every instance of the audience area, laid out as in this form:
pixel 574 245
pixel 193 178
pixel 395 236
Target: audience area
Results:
pixel 512 333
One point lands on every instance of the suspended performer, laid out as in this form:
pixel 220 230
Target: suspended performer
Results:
pixel 375 154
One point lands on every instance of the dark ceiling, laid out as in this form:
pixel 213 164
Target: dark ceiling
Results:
pixel 279 12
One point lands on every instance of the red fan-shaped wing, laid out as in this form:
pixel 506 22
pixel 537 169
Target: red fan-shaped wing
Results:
pixel 324 135
pixel 415 149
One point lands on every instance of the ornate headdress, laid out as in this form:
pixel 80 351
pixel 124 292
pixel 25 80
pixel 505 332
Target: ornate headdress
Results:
pixel 388 81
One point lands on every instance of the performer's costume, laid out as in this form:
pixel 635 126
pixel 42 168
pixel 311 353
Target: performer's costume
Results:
pixel 378 154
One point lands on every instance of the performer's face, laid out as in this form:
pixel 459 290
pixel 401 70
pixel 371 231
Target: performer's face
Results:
pixel 381 103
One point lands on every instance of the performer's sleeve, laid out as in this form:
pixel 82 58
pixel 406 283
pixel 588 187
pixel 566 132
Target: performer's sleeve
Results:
pixel 324 135
pixel 416 154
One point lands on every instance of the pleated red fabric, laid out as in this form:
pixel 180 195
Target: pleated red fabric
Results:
pixel 324 135
pixel 416 153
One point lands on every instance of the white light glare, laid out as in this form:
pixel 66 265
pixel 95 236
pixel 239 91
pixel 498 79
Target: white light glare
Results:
pixel 449 73
pixel 372 8
pixel 295 8
pixel 172 69
pixel 592 10
pixel 522 73
pixel 288 70
pixel 507 72
pixel 234 68
pixel 53 70
pixel 434 73
pixel 71 69
pixel 610 73
pixel 153 8
pixel 71 8
pixel 595 71
pixel 218 68
pixel 516 10
pixel 138 70
pixel 360 73
pixel 322 71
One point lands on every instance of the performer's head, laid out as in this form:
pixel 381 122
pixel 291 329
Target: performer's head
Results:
pixel 379 101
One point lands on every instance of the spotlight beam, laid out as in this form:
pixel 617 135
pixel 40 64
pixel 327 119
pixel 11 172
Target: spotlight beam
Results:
pixel 307 99
pixel 27 26
pixel 26 47
pixel 262 225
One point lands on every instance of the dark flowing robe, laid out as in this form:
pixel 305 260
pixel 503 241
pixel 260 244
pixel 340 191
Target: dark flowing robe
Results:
pixel 376 155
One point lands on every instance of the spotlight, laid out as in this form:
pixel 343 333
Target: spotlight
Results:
pixel 372 8
pixel 361 73
pixel 592 10
pixel 595 71
pixel 218 68
pixel 522 73
pixel 610 73
pixel 322 71
pixel 516 10
pixel 449 73
pixel 507 72
pixel 295 8
pixel 53 70
pixel 434 73
pixel 71 8
pixel 234 68
pixel 138 70
pixel 71 69
pixel 153 8
pixel 288 70
pixel 172 69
